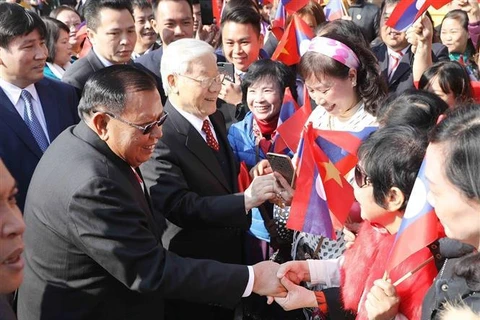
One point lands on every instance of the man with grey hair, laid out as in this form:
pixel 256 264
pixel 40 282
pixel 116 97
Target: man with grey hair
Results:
pixel 192 175
pixel 94 250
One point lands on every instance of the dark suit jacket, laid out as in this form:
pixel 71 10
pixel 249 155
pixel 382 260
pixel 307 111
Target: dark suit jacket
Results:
pixel 93 250
pixel 402 78
pixel 188 187
pixel 79 72
pixel 18 148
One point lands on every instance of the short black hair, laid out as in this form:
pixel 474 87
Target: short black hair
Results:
pixel 92 10
pixel 53 33
pixel 269 69
pixel 391 157
pixel 16 21
pixel 108 87
pixel 155 4
pixel 242 15
pixel 419 109
pixel 142 4
pixel 452 77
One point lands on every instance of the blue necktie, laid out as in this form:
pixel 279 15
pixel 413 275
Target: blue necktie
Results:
pixel 32 122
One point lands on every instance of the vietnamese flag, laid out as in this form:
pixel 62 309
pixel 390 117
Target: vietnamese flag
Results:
pixel 294 42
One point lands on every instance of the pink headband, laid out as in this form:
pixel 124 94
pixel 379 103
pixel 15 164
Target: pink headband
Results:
pixel 335 50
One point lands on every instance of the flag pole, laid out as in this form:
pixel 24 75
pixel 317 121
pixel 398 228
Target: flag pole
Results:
pixel 411 273
pixel 344 9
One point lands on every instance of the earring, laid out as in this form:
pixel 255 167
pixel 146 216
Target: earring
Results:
pixel 354 84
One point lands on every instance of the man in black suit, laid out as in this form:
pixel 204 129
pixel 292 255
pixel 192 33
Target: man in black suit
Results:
pixel 192 176
pixel 111 30
pixel 94 250
pixel 33 109
pixel 395 54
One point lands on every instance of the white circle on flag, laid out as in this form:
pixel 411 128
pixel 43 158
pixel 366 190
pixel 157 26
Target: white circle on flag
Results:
pixel 419 4
pixel 319 188
pixel 418 198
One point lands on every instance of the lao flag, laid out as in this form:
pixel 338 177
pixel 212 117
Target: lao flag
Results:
pixel 294 42
pixel 278 22
pixel 309 211
pixel 293 6
pixel 288 108
pixel 419 225
pixel 323 197
pixel 408 11
pixel 341 146
pixel 289 131
pixel 333 10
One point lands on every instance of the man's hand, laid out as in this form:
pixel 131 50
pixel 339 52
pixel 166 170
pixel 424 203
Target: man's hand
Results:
pixel 261 168
pixel 262 188
pixel 231 92
pixel 297 296
pixel 266 281
pixel 208 34
pixel 382 301
pixel 295 271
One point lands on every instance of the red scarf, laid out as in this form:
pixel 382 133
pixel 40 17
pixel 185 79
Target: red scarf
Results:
pixel 266 132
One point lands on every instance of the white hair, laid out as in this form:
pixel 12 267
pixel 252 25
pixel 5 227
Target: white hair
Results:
pixel 179 54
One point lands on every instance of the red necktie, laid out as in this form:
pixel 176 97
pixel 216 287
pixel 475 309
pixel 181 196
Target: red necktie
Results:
pixel 211 141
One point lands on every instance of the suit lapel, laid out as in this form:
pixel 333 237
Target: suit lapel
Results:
pixel 94 61
pixel 10 116
pixel 197 146
pixel 50 107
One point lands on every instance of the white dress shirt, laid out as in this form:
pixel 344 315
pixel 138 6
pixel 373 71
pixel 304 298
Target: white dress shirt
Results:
pixel 13 94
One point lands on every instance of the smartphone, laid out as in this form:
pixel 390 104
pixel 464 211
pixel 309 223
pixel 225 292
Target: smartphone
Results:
pixel 227 69
pixel 206 10
pixel 282 164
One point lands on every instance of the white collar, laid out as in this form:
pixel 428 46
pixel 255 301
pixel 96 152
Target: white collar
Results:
pixel 13 92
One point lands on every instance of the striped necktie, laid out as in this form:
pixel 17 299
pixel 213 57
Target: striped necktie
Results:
pixel 32 122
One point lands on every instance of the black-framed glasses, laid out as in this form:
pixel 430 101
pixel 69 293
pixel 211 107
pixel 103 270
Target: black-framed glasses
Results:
pixel 146 129
pixel 207 82
pixel 361 177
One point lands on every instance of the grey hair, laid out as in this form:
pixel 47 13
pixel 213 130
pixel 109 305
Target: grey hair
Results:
pixel 179 54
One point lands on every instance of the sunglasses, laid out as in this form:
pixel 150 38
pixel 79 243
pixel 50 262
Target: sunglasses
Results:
pixel 361 178
pixel 146 129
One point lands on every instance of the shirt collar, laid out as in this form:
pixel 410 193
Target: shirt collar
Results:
pixel 195 121
pixel 403 51
pixel 13 92
pixel 104 61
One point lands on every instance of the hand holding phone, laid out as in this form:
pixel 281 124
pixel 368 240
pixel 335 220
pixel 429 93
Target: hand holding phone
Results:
pixel 282 164
pixel 227 69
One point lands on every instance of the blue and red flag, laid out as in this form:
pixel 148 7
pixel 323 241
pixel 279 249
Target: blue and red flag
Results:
pixel 293 6
pixel 333 10
pixel 341 146
pixel 323 197
pixel 278 22
pixel 408 11
pixel 419 226
pixel 288 108
pixel 294 42
pixel 289 130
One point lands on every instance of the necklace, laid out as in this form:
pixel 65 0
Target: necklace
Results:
pixel 336 124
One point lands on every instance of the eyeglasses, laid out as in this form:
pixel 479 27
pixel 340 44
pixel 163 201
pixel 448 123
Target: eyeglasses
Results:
pixel 207 82
pixel 361 178
pixel 145 129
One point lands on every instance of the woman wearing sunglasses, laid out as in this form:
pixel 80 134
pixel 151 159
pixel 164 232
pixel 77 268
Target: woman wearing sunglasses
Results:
pixel 388 164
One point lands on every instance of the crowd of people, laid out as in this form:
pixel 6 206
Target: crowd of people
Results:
pixel 123 144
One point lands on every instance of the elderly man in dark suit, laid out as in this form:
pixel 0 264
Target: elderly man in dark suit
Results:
pixel 94 250
pixel 396 56
pixel 192 176
pixel 33 109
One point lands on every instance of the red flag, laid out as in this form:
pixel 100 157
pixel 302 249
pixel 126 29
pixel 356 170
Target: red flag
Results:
pixel 278 22
pixel 293 6
pixel 244 178
pixel 294 42
pixel 323 197
pixel 408 11
pixel 289 131
pixel 216 12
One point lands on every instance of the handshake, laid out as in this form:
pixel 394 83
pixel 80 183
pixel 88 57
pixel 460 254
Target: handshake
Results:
pixel 281 284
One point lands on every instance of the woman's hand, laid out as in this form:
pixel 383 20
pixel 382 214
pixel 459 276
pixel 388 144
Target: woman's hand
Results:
pixel 297 296
pixel 286 192
pixel 262 168
pixel 382 301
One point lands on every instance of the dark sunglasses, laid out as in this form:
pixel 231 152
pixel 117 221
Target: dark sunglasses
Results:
pixel 146 129
pixel 361 178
